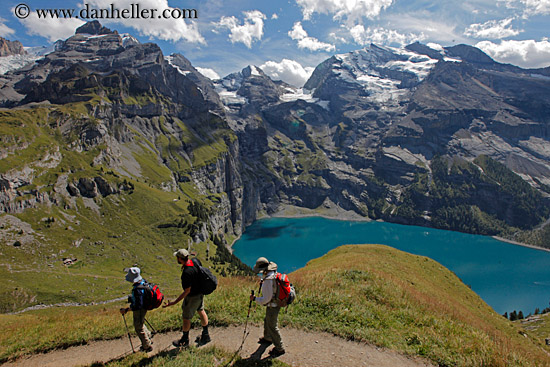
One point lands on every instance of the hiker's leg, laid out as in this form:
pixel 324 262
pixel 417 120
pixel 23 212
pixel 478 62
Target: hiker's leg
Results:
pixel 186 325
pixel 267 332
pixel 204 317
pixel 200 310
pixel 141 329
pixel 205 336
pixel 271 328
pixel 191 304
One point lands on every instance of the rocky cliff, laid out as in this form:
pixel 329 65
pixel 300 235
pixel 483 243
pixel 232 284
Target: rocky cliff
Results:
pixel 10 48
pixel 446 138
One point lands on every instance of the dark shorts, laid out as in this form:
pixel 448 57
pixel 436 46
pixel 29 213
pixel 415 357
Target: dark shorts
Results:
pixel 192 304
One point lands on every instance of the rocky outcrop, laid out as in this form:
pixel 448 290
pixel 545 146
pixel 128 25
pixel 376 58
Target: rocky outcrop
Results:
pixel 94 28
pixel 10 48
pixel 363 134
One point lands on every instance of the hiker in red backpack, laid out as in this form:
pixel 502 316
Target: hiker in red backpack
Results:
pixel 138 305
pixel 269 299
pixel 193 299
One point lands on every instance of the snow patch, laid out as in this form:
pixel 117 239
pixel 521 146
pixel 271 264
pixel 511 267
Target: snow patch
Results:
pixel 170 60
pixel 386 73
pixel 451 59
pixel 128 40
pixel 540 76
pixel 229 97
pixel 14 62
pixel 254 71
pixel 295 94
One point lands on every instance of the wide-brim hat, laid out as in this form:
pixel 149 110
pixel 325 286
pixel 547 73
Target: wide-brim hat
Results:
pixel 133 274
pixel 263 264
pixel 272 266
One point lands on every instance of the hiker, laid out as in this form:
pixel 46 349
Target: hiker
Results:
pixel 268 299
pixel 193 299
pixel 138 301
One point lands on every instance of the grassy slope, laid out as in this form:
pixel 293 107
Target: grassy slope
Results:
pixel 374 293
pixel 105 234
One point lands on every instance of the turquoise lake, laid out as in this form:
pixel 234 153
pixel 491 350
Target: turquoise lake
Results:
pixel 506 276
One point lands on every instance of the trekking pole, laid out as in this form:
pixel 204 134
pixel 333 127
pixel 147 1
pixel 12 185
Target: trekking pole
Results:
pixel 151 326
pixel 128 331
pixel 245 335
pixel 248 313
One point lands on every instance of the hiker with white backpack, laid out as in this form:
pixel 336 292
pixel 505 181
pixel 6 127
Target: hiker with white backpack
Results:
pixel 269 298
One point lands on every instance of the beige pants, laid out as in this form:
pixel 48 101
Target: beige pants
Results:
pixel 271 329
pixel 142 332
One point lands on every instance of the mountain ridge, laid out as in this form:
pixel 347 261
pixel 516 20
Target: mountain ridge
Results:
pixel 105 125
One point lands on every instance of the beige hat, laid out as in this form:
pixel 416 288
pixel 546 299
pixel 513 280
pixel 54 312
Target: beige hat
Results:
pixel 182 253
pixel 263 264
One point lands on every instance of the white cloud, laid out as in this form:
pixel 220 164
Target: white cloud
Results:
pixel 207 72
pixel 435 46
pixel 5 31
pixel 165 29
pixel 51 29
pixel 351 11
pixel 298 32
pixel 492 29
pixel 382 36
pixel 536 7
pixel 424 23
pixel 530 7
pixel 309 43
pixel 274 16
pixel 527 53
pixel 251 29
pixel 289 71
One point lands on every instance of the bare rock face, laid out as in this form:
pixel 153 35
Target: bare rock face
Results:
pixel 368 125
pixel 93 27
pixel 9 48
pixel 380 131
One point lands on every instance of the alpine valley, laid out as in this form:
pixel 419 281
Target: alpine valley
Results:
pixel 112 153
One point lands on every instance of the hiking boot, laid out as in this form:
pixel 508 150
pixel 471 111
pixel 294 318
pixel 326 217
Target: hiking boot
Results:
pixel 203 339
pixel 275 352
pixel 264 341
pixel 146 350
pixel 181 343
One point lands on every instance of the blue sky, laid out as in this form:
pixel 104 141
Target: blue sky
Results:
pixel 287 39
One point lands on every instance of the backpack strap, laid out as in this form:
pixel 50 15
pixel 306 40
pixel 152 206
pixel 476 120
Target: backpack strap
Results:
pixel 189 263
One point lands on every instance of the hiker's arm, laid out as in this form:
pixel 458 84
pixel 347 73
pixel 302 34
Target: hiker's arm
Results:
pixel 186 291
pixel 267 292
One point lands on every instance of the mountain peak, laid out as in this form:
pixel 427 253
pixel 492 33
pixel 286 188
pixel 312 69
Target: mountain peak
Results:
pixel 252 70
pixel 95 28
pixel 8 48
pixel 469 54
pixel 423 49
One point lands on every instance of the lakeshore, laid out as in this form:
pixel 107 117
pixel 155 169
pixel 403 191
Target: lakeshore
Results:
pixel 507 276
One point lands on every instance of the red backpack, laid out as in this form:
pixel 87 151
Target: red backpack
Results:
pixel 285 290
pixel 153 295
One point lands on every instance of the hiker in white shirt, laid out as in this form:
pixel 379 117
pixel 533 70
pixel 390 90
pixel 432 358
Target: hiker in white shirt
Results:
pixel 268 299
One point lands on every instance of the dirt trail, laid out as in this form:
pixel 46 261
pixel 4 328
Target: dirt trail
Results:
pixel 302 349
